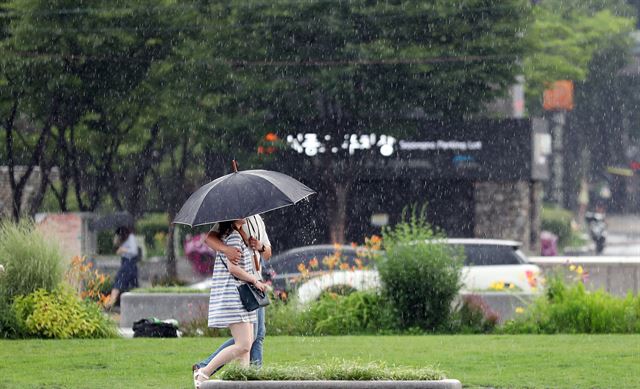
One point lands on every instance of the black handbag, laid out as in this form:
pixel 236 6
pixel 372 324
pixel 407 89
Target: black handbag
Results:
pixel 251 297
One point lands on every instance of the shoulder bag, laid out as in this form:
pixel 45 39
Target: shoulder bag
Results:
pixel 251 297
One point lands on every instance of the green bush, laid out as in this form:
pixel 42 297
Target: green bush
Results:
pixel 60 314
pixel 420 275
pixel 152 227
pixel 558 221
pixel 105 243
pixel 30 262
pixel 473 316
pixel 287 318
pixel 356 313
pixel 570 308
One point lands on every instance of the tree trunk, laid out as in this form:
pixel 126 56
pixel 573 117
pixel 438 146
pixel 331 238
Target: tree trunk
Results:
pixel 338 213
pixel 171 267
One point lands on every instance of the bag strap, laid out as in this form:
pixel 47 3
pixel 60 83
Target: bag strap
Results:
pixel 254 256
pixel 225 265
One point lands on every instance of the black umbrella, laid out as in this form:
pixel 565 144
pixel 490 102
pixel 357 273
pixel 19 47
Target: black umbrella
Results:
pixel 112 221
pixel 239 195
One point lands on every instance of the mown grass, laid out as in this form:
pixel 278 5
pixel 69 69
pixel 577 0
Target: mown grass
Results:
pixel 500 361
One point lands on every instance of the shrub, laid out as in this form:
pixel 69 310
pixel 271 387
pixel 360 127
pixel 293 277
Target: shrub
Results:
pixel 356 313
pixel 570 308
pixel 30 262
pixel 89 283
pixel 153 228
pixel 473 316
pixel 558 221
pixel 287 318
pixel 420 276
pixel 60 314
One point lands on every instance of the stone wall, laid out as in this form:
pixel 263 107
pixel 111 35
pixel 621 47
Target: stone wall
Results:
pixel 508 210
pixel 69 230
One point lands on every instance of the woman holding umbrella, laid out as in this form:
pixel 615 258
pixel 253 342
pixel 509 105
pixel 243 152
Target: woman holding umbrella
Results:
pixel 225 308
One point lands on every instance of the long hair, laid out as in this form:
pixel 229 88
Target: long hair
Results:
pixel 225 228
pixel 122 233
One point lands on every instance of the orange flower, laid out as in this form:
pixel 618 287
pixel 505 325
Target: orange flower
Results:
pixel 313 262
pixel 358 262
pixel 354 244
pixel 375 239
pixel 271 137
pixel 301 267
pixel 344 266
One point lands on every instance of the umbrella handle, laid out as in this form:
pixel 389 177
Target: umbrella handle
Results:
pixel 234 165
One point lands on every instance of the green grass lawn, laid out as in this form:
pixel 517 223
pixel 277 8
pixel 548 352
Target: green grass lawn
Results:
pixel 521 361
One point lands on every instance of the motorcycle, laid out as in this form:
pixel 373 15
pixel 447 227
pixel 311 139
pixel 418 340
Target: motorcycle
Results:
pixel 597 229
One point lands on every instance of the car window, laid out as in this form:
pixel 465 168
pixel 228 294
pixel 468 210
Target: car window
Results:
pixel 488 255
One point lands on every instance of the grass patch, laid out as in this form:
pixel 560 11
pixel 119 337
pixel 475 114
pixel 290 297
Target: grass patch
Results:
pixel 333 370
pixel 499 361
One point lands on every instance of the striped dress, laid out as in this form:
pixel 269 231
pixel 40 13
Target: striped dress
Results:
pixel 225 306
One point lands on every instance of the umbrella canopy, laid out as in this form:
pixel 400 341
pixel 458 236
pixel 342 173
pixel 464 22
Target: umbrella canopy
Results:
pixel 112 221
pixel 239 195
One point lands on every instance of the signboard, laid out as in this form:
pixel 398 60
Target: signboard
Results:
pixel 559 97
pixel 483 149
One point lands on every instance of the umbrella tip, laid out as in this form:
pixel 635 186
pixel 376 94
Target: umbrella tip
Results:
pixel 234 164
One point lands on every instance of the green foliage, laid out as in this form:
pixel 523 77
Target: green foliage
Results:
pixel 473 316
pixel 420 275
pixel 60 314
pixel 287 318
pixel 565 39
pixel 30 262
pixel 153 227
pixel 356 313
pixel 570 308
pixel 335 370
pixel 558 221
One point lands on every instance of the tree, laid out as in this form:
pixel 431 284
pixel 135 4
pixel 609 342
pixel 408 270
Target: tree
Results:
pixel 566 35
pixel 344 68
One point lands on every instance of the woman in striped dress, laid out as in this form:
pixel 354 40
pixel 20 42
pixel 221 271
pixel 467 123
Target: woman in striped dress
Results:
pixel 225 308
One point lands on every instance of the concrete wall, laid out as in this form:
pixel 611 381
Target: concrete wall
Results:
pixel 616 275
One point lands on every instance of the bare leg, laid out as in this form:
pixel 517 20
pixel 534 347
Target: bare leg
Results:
pixel 243 338
pixel 113 297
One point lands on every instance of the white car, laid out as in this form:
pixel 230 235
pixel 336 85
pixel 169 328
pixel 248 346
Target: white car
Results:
pixel 490 265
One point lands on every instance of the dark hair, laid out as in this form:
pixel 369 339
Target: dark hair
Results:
pixel 225 228
pixel 123 233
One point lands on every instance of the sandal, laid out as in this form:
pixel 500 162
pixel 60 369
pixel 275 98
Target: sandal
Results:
pixel 198 378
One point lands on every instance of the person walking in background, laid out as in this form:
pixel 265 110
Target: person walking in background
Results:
pixel 225 308
pixel 127 276
pixel 259 243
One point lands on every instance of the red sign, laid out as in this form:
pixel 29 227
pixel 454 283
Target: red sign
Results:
pixel 559 97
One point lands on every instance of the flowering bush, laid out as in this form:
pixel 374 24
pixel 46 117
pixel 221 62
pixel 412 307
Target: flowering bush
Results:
pixel 89 283
pixel 567 307
pixel 199 254
pixel 60 314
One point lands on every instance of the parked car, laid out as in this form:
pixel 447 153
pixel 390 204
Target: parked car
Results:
pixel 489 264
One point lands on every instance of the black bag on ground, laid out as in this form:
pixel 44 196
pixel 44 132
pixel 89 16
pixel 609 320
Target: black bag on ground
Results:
pixel 145 328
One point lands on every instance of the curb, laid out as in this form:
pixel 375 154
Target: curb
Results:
pixel 439 384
